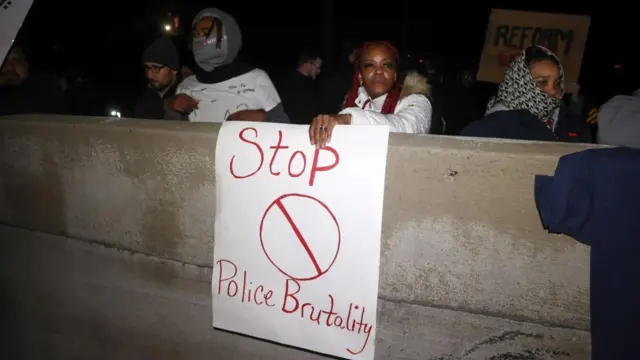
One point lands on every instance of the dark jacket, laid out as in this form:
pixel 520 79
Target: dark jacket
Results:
pixel 594 197
pixel 523 125
pixel 39 94
pixel 301 98
pixel 458 104
pixel 151 106
pixel 335 87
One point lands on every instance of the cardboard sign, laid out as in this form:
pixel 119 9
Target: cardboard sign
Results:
pixel 511 31
pixel 12 15
pixel 297 235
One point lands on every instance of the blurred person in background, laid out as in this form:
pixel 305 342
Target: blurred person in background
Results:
pixel 458 101
pixel 82 96
pixel 300 91
pixel 336 85
pixel 23 90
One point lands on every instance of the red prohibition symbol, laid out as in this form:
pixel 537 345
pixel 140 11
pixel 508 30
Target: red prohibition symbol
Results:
pixel 320 250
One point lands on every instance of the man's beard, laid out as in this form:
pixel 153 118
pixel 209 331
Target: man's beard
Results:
pixel 158 86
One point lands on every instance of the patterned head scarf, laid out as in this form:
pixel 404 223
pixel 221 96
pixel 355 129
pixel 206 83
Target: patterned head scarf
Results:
pixel 518 89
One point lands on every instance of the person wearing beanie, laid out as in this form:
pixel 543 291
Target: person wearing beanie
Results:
pixel 222 88
pixel 161 62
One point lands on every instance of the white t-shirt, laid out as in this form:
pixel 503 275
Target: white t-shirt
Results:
pixel 250 91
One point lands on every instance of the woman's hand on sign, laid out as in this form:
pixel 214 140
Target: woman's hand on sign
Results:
pixel 183 104
pixel 321 128
pixel 248 115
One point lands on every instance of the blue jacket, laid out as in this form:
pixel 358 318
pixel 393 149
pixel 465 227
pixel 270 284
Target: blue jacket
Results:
pixel 594 197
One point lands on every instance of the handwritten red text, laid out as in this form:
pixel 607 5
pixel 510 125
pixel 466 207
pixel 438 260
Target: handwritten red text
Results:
pixel 247 291
pixel 297 164
pixel 323 315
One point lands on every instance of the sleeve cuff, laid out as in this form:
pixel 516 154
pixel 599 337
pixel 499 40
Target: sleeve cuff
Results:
pixel 542 188
pixel 358 117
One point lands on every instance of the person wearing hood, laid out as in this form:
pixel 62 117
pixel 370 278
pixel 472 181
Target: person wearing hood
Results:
pixel 222 88
pixel 528 103
pixel 619 121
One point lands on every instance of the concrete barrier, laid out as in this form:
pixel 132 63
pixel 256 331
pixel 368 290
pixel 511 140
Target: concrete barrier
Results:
pixel 107 241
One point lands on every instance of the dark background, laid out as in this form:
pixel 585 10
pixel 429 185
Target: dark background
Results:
pixel 105 39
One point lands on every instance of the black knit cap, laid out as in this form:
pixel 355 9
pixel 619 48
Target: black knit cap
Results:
pixel 163 52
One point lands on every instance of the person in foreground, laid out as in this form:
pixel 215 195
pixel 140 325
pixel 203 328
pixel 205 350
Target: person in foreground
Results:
pixel 528 103
pixel 377 98
pixel 594 197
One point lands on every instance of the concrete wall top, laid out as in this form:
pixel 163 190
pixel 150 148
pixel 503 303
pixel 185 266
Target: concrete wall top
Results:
pixel 460 227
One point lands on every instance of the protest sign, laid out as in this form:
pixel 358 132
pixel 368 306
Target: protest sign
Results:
pixel 297 235
pixel 511 31
pixel 12 15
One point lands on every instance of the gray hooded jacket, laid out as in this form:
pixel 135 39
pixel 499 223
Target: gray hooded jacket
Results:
pixel 217 60
pixel 619 122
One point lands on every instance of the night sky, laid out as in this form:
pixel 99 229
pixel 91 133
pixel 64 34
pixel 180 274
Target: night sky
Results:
pixel 106 38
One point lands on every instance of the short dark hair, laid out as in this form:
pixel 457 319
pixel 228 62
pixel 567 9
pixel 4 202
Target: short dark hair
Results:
pixel 307 55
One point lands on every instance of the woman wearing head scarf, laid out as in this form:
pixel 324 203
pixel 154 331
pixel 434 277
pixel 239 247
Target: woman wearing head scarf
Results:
pixel 378 98
pixel 528 105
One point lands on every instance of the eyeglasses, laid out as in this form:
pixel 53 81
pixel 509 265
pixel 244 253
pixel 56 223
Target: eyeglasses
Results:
pixel 154 68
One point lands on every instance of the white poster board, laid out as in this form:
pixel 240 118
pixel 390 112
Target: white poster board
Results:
pixel 297 235
pixel 12 15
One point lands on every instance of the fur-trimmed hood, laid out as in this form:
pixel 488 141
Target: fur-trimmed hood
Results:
pixel 414 83
pixel 411 114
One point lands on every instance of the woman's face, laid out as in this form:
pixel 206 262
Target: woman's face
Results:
pixel 547 75
pixel 378 70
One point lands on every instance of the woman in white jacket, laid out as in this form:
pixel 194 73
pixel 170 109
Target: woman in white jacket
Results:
pixel 376 98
